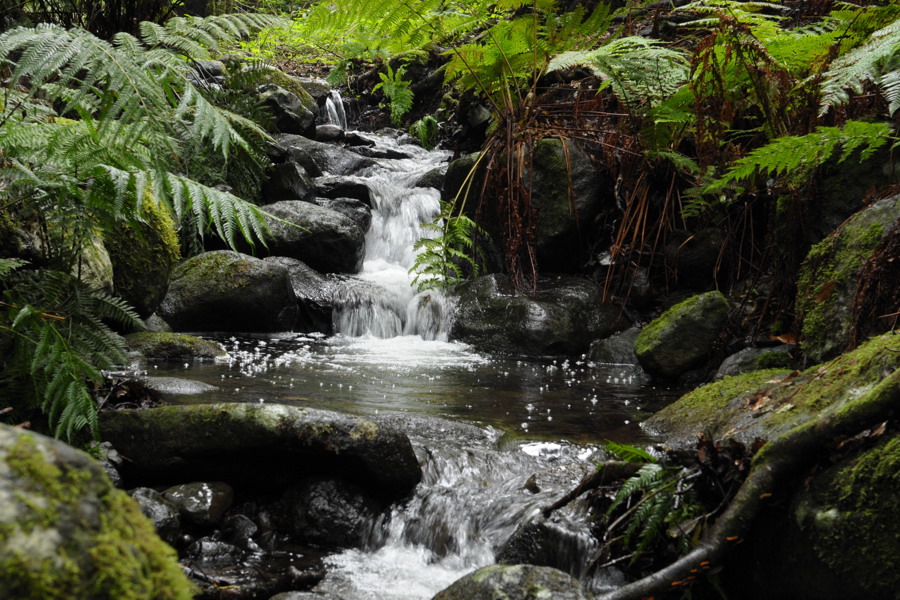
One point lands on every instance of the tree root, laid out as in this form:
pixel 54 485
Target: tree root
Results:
pixel 605 473
pixel 776 463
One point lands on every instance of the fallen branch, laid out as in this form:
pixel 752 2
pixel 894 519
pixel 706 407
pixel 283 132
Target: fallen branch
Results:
pixel 605 473
pixel 776 463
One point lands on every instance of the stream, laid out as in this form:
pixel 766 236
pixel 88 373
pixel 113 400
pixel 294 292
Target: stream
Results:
pixel 498 437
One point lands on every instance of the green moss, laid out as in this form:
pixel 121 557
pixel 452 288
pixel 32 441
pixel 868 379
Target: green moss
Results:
pixel 143 257
pixel 828 279
pixel 173 346
pixel 847 516
pixel 75 536
pixel 650 335
pixel 773 360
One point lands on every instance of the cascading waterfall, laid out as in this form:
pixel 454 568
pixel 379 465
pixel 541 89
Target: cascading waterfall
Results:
pixel 381 301
pixel 334 109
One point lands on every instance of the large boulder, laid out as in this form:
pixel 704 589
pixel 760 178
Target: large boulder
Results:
pixel 290 113
pixel 835 534
pixel 255 446
pixel 66 532
pixel 357 210
pixel 314 292
pixel 326 240
pixel 562 317
pixel 330 513
pixel 228 291
pixel 681 338
pixel 344 186
pixel 288 181
pixel 174 346
pixel 830 277
pixel 328 158
pixel 522 582
pixel 567 194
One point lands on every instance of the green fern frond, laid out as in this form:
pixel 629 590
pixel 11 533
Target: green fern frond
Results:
pixel 628 452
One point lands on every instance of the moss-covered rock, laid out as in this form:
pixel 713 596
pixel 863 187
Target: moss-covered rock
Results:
pixel 681 338
pixel 522 582
pixel 228 291
pixel 174 346
pixel 830 276
pixel 66 533
pixel 143 257
pixel 764 404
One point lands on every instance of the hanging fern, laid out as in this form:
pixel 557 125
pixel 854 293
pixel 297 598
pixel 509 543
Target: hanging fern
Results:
pixel 447 252
pixel 397 91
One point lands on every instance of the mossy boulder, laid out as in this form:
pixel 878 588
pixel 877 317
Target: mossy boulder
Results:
pixel 67 533
pixel 174 346
pixel 563 316
pixel 249 445
pixel 764 404
pixel 522 582
pixel 840 538
pixel 143 257
pixel 681 338
pixel 829 279
pixel 228 291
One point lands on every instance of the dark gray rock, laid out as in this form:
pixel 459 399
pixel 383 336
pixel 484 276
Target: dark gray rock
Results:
pixel 753 359
pixel 340 186
pixel 209 550
pixel 329 132
pixel 618 349
pixel 543 542
pixel 695 258
pixel 289 111
pixel 288 181
pixel 349 207
pixel 317 88
pixel 324 239
pixel 161 512
pixel 249 445
pixel 522 582
pixel 375 152
pixel 283 150
pixel 314 295
pixel 201 503
pixel 156 324
pixel 228 291
pixel 563 221
pixel 330 159
pixel 330 513
pixel 433 178
pixel 682 337
pixel 562 317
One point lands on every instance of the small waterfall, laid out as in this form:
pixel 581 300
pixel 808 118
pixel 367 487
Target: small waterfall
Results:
pixel 380 301
pixel 334 109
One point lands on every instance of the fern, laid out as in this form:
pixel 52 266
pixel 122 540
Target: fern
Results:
pixel 397 91
pixel 61 344
pixel 444 256
pixel 791 159
pixel 629 453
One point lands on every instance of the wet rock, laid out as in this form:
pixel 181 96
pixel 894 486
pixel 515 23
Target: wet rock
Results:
pixel 330 159
pixel 201 503
pixel 283 151
pixel 210 550
pixel 344 187
pixel 682 337
pixel 433 178
pixel 161 512
pixel 248 445
pixel 330 513
pixel 239 531
pixel 288 181
pixel 315 87
pixel 305 596
pixel 542 542
pixel 830 276
pixel 329 132
pixel 156 324
pixel 375 152
pixel 562 317
pixel 290 113
pixel 618 349
pixel 522 582
pixel 326 240
pixel 227 291
pixel 66 531
pixel 176 386
pixel 314 295
pixel 753 359
pixel 349 207
pixel 174 346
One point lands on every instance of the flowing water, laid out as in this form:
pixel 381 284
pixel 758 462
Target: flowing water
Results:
pixel 483 426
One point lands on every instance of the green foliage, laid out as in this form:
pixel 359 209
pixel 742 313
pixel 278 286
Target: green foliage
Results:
pixel 629 453
pixel 397 91
pixel 444 256
pixel 60 344
pixel 426 131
